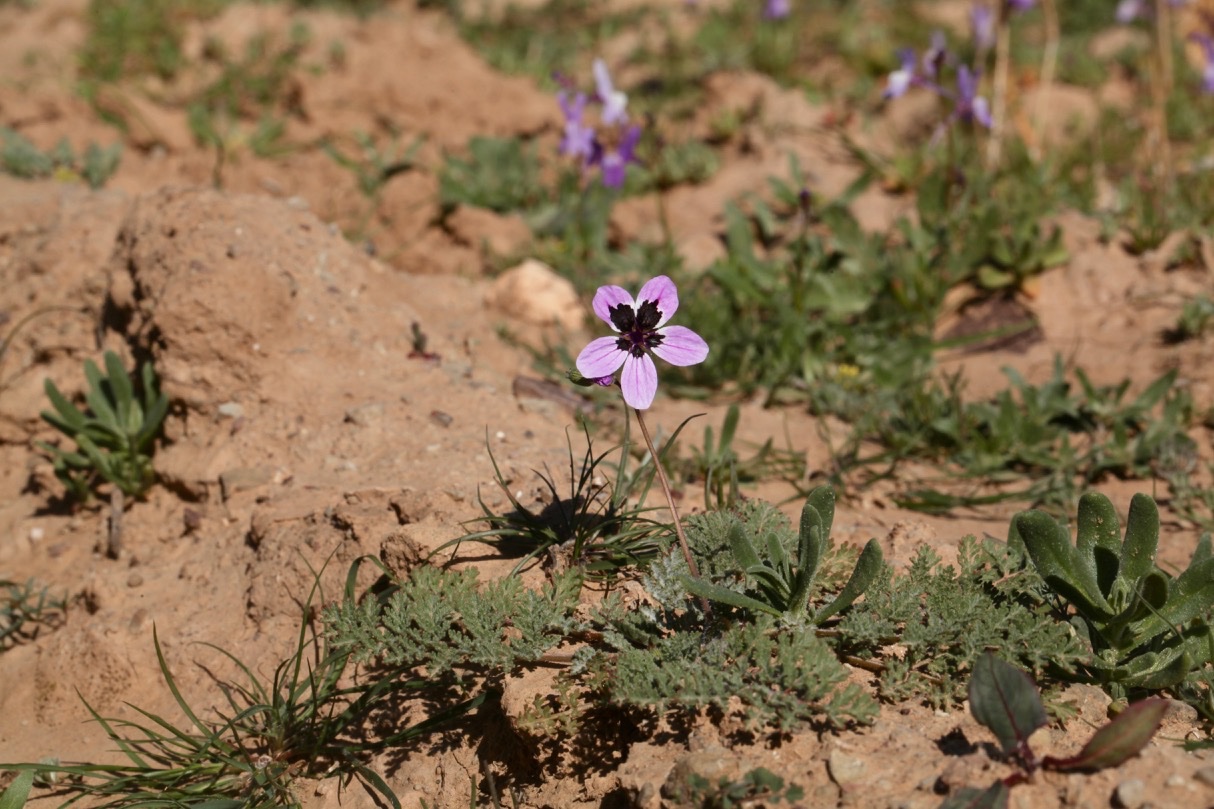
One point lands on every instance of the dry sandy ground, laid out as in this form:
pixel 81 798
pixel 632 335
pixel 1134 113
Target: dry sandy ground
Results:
pixel 303 425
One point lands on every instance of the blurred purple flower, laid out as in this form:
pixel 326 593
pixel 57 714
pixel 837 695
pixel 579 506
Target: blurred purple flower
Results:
pixel 641 330
pixel 1130 10
pixel 935 56
pixel 970 106
pixel 578 139
pixel 903 78
pixel 610 146
pixel 982 24
pixel 1207 74
pixel 777 9
pixel 614 159
pixel 614 102
pixel 1020 5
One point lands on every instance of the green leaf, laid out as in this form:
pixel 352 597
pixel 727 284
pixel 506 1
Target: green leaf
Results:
pixel 868 567
pixel 723 595
pixel 18 791
pixel 1141 541
pixel 121 388
pixel 69 419
pixel 1117 741
pixel 993 797
pixel 96 397
pixel 1191 594
pixel 1059 563
pixel 1098 538
pixel 1003 698
pixel 743 550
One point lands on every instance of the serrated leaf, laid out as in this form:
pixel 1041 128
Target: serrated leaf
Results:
pixel 1004 699
pixel 1119 740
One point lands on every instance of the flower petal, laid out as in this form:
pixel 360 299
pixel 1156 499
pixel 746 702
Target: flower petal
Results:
pixel 600 358
pixel 681 346
pixel 607 298
pixel 639 381
pixel 664 293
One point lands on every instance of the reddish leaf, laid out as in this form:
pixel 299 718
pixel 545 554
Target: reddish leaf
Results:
pixel 1117 741
pixel 1003 698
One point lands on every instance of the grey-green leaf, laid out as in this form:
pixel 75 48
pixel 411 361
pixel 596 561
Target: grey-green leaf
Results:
pixel 868 567
pixel 1141 541
pixel 1098 538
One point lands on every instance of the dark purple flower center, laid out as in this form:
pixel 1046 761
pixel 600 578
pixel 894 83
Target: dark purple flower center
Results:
pixel 638 327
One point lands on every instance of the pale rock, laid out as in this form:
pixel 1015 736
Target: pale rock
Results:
pixel 533 293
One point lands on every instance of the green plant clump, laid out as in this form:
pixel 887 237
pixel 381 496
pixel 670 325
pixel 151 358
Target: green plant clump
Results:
pixel 1145 629
pixel 114 438
pixel 21 158
pixel 943 617
pixel 779 584
pixel 25 609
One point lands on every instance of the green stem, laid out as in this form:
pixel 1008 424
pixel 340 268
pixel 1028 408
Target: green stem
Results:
pixel 678 525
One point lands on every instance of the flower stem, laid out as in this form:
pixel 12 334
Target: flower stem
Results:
pixel 678 525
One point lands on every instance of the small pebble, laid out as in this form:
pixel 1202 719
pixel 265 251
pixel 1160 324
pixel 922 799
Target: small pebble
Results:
pixel 231 410
pixel 1130 794
pixel 1176 780
pixel 845 769
pixel 134 580
pixel 37 534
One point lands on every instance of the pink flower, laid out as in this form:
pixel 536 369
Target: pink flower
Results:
pixel 641 331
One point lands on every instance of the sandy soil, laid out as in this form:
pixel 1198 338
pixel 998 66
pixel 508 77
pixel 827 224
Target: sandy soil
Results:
pixel 303 425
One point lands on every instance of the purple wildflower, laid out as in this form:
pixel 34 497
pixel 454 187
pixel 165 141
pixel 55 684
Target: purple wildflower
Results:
pixel 982 24
pixel 1207 74
pixel 903 78
pixel 969 105
pixel 611 145
pixel 579 138
pixel 1021 5
pixel 613 101
pixel 641 331
pixel 935 56
pixel 1130 10
pixel 777 9
pixel 614 159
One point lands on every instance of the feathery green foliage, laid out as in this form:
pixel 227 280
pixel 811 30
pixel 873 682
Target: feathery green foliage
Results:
pixel 942 618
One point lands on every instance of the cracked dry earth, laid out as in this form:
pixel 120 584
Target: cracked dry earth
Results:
pixel 305 426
